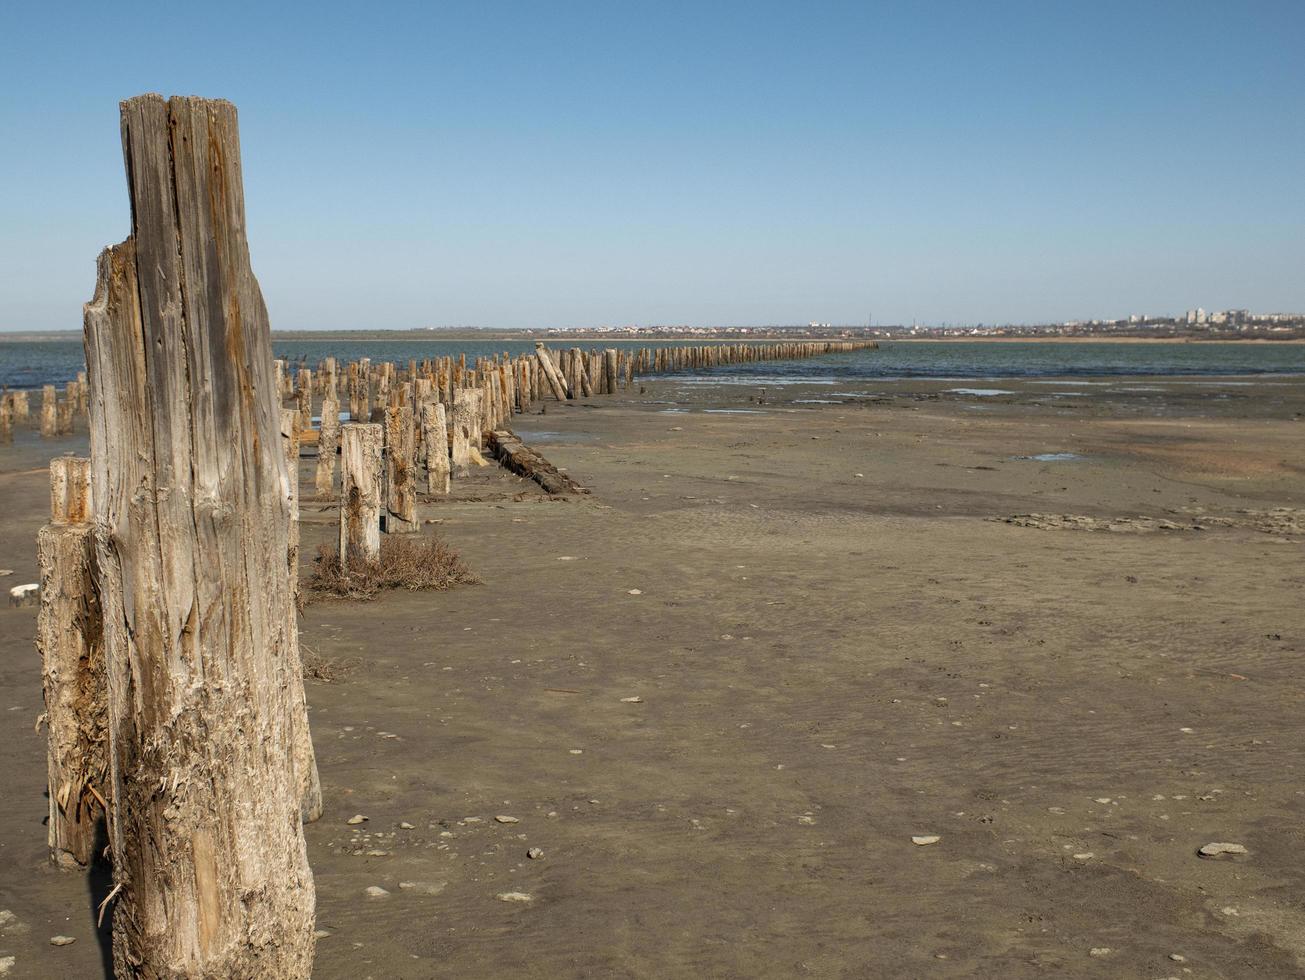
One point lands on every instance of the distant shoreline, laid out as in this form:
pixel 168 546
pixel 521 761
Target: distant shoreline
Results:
pixel 487 337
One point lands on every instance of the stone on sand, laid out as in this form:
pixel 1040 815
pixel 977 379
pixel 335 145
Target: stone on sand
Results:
pixel 1221 849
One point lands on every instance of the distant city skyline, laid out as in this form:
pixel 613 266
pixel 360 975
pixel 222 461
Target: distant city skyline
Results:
pixel 514 165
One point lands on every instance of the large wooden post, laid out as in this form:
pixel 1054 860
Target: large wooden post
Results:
pixel 205 695
pixel 69 635
pixel 360 491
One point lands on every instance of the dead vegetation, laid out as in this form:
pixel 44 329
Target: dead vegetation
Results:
pixel 425 564
pixel 326 669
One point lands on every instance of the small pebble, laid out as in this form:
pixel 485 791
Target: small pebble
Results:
pixel 806 821
pixel 356 819
pixel 376 891
pixel 1100 951
pixel 514 897
pixel 62 940
pixel 535 853
pixel 924 840
pixel 321 933
pixel 404 825
pixel 423 887
pixel 503 818
pixel 1221 849
pixel 635 592
pixel 1178 957
pixel 633 700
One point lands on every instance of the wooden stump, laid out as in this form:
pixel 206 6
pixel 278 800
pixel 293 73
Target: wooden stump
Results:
pixel 435 436
pixel 205 692
pixel 400 472
pixel 360 491
pixel 304 399
pixel 328 443
pixel 49 411
pixel 466 428
pixel 69 635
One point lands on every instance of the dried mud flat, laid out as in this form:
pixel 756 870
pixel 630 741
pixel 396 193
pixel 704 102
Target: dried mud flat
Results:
pixel 722 695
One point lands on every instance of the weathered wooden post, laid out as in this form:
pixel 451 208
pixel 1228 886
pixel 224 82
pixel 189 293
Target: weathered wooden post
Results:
pixel 49 411
pixel 328 442
pixel 466 428
pixel 400 471
pixel 555 380
pixel 69 635
pixel 435 436
pixel 206 717
pixel 360 491
pixel 610 373
pixel 304 398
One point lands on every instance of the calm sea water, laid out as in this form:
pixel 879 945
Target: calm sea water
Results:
pixel 28 364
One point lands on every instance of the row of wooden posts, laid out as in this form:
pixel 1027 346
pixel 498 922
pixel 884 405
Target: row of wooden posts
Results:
pixel 178 726
pixel 56 414
pixel 507 384
pixel 434 414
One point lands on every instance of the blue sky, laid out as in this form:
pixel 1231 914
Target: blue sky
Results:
pixel 515 164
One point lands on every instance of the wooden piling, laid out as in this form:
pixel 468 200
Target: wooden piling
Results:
pixel 435 437
pixel 328 443
pixel 69 635
pixel 400 472
pixel 360 491
pixel 208 732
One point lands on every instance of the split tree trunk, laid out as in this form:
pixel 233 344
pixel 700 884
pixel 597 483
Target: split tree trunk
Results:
pixel 69 635
pixel 205 693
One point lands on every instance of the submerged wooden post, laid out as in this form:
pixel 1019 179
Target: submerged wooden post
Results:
pixel 207 723
pixel 400 471
pixel 435 436
pixel 360 491
pixel 69 635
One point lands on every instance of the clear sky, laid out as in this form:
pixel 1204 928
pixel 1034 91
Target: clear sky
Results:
pixel 554 164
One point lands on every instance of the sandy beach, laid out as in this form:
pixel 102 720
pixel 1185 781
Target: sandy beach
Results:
pixel 1056 627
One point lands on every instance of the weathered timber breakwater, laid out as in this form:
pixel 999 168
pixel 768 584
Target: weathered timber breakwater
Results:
pixel 507 383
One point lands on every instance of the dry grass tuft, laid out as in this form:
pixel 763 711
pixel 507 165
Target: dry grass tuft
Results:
pixel 425 563
pixel 327 669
